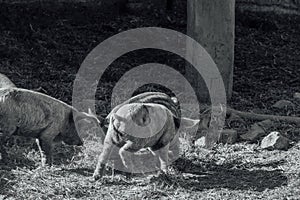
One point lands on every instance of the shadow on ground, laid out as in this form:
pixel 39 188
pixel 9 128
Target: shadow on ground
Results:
pixel 19 158
pixel 207 175
pixel 7 178
pixel 81 171
pixel 6 182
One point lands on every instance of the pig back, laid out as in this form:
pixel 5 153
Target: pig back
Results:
pixel 28 112
pixel 157 98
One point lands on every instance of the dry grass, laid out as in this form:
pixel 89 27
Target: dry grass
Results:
pixel 45 47
pixel 240 171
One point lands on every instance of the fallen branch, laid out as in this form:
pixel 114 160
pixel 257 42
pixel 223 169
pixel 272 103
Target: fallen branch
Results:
pixel 261 117
pixel 254 116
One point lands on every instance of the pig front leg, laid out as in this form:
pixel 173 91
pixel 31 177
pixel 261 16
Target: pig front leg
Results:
pixel 103 158
pixel 126 156
pixel 42 154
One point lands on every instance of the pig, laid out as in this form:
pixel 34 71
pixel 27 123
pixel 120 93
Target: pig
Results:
pixel 154 97
pixel 5 82
pixel 32 114
pixel 135 126
pixel 172 103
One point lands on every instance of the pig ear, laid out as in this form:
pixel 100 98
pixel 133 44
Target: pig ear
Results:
pixel 82 115
pixel 119 118
pixel 92 116
pixel 189 123
pixel 114 110
pixel 78 116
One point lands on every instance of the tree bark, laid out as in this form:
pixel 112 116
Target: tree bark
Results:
pixel 211 24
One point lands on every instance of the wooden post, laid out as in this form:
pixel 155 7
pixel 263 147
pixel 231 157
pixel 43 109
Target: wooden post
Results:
pixel 211 24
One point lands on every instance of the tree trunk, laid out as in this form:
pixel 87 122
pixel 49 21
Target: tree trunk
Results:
pixel 211 24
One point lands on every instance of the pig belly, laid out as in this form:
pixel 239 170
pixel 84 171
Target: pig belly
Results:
pixel 33 133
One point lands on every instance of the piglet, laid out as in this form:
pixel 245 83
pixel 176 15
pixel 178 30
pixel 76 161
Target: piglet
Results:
pixel 135 126
pixel 32 114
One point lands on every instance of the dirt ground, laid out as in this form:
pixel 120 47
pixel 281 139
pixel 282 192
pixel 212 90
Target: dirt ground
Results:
pixel 42 46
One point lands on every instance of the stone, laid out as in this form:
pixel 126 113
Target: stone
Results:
pixel 228 136
pixel 200 142
pixel 257 130
pixel 283 104
pixel 266 124
pixel 185 144
pixel 275 141
pixel 254 133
